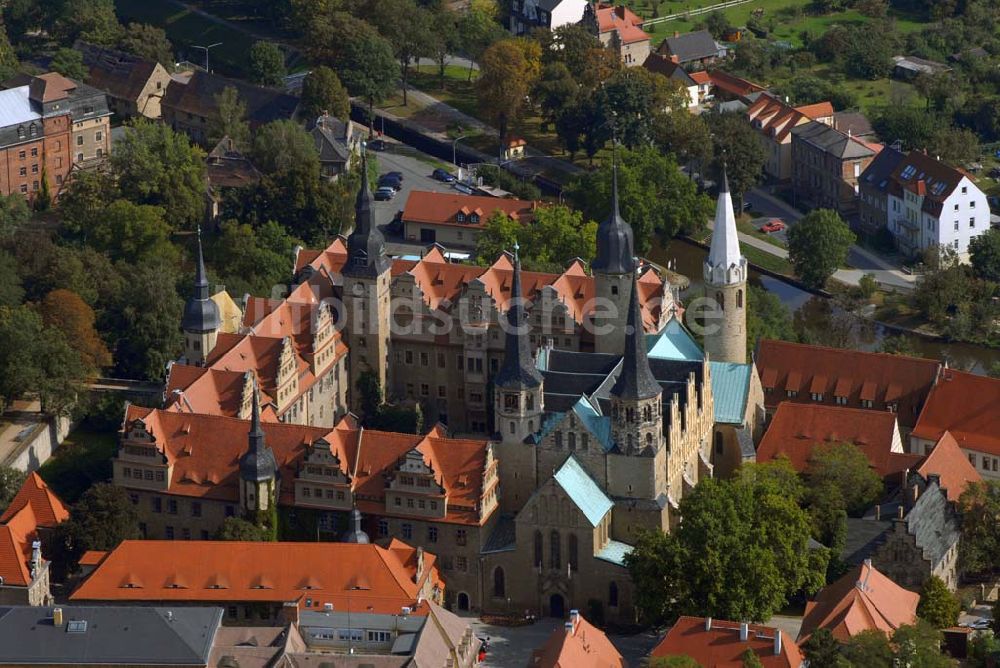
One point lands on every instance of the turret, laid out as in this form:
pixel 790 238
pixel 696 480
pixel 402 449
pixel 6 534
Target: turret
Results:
pixel 356 534
pixel 725 274
pixel 258 468
pixel 613 268
pixel 201 320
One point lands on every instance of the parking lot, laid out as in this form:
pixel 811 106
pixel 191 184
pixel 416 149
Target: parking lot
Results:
pixel 416 176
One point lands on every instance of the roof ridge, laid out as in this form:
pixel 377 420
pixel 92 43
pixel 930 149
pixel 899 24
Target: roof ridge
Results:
pixel 816 346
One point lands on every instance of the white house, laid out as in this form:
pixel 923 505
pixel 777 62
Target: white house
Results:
pixel 525 15
pixel 931 203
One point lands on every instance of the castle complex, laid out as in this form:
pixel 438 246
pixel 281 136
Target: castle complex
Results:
pixel 569 411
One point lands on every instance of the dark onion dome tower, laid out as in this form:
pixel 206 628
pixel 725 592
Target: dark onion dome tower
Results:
pixel 518 383
pixel 258 468
pixel 366 243
pixel 356 534
pixel 201 320
pixel 725 274
pixel 636 396
pixel 612 267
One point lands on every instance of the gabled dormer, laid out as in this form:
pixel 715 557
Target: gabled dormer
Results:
pixel 140 461
pixel 413 488
pixel 324 346
pixel 287 376
pixel 322 479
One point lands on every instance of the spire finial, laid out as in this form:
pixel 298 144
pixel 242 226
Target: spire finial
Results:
pixel 201 276
pixel 256 432
pixel 636 379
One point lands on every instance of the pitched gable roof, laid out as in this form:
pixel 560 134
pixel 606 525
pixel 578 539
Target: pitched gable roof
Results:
pixel 833 141
pixel 48 508
pixel 862 600
pixel 622 20
pixel 964 404
pixel 444 208
pixel 716 643
pixel 583 491
pixel 690 46
pixel 930 178
pixel 198 95
pixel 577 645
pixel 34 506
pixel 947 461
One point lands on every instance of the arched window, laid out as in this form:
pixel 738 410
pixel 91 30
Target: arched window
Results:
pixel 649 440
pixel 613 595
pixel 718 442
pixel 720 300
pixel 739 299
pixel 538 549
pixel 499 583
pixel 555 554
pixel 573 563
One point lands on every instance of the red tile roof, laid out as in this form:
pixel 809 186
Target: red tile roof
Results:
pixel 48 508
pixel 578 645
pixel 444 208
pixel 775 119
pixel 949 463
pixel 34 506
pixel 864 599
pixel 622 19
pixel 359 575
pixel 796 430
pixel 858 376
pixel 734 85
pixel 720 646
pixel 701 77
pixel 965 405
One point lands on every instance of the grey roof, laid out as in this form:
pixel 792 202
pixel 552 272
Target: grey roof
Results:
pixel 830 140
pixel 863 537
pixel 636 380
pixel 336 619
pixel 114 635
pixel 692 46
pixel 365 246
pixel 933 523
pixel 257 463
pixel 518 369
pixel 854 122
pixel 331 146
pixel 198 96
pixel 201 313
pixel 877 174
pixel 356 534
pixel 615 248
pixel 661 64
pixel 503 538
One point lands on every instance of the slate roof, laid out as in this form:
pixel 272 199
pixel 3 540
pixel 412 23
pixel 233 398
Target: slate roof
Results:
pixel 833 141
pixel 518 368
pixel 880 169
pixel 583 491
pixel 661 64
pixel 503 538
pixel 928 177
pixel 615 245
pixel 114 635
pixel 636 380
pixel 864 536
pixel 933 523
pixel 365 245
pixel 119 74
pixel 691 46
pixel 198 97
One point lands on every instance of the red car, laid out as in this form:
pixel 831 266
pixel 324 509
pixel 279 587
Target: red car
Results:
pixel 773 225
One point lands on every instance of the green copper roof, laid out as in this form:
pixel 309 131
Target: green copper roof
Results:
pixel 583 491
pixel 730 386
pixel 674 342
pixel 614 552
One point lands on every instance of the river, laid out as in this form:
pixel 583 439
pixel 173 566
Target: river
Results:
pixel 687 259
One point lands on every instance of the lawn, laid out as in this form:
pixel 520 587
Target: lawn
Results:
pixel 760 258
pixel 746 227
pixel 83 459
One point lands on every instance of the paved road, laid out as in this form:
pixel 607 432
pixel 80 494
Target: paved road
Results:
pixel 416 176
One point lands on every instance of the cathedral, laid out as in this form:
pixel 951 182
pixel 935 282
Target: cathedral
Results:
pixel 589 407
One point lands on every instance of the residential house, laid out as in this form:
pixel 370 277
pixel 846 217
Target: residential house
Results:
pixel 698 90
pixel 227 168
pixel 827 165
pixel 862 600
pixel 908 68
pixel 620 29
pixel 932 204
pixel 797 430
pixel 715 643
pixel 455 220
pixel 873 191
pixel 134 86
pixel 526 15
pixel 963 406
pixel 49 125
pixel 853 123
pixel 909 538
pixel 336 143
pixel 266 582
pixel 774 120
pixel 108 635
pixel 577 643
pixel 25 529
pixel 192 107
pixel 804 373
pixel 693 50
pixel 727 87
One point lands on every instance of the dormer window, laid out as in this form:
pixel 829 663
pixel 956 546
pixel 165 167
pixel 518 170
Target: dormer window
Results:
pixel 474 219
pixel 460 217
pixel 33 130
pixel 20 132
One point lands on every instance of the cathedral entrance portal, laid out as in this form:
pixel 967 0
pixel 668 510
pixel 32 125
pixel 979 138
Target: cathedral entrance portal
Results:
pixel 557 606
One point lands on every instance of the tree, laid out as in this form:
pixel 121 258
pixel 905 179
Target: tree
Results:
pixel 409 29
pixel 231 120
pixel 368 68
pixel 444 38
pixel 919 645
pixel 737 147
pixel 767 318
pixel 11 289
pixel 555 90
pixel 69 63
pixel 634 97
pixel 8 57
pixel 846 468
pixel 870 648
pixel 370 392
pixel 557 235
pixel 149 42
pixel 979 506
pixel 684 134
pixel 818 245
pixel 252 261
pixel 984 254
pixel 955 145
pixel 66 311
pixel 982 648
pixel 478 30
pixel 913 126
pixel 158 166
pixel 239 529
pixel 14 214
pixel 322 93
pixel 738 553
pixel 938 606
pixel 92 20
pixel 102 518
pixel 507 73
pixel 750 659
pixel 822 649
pixel 135 233
pixel 11 480
pixel 267 64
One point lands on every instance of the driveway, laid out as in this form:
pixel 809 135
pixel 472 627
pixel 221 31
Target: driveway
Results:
pixel 416 176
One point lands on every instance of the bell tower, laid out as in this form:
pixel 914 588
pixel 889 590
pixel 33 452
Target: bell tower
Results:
pixel 258 468
pixel 725 274
pixel 200 322
pixel 366 295
pixel 613 268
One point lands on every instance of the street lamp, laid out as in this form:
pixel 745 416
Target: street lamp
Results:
pixel 206 49
pixel 454 146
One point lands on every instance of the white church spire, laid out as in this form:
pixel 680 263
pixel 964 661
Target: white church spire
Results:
pixel 725 264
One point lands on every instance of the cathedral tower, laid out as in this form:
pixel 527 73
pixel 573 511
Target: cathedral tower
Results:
pixel 366 295
pixel 258 469
pixel 201 320
pixel 636 396
pixel 613 268
pixel 725 273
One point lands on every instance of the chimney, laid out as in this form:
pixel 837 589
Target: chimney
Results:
pixel 574 615
pixel 708 623
pixel 289 613
pixel 777 642
pixel 878 513
pixel 900 512
pixel 675 59
pixel 419 574
pixel 57 617
pixel 744 631
pixel 934 479
pixel 569 628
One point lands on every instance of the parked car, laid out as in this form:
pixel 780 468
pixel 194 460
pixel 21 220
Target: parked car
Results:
pixel 377 145
pixel 773 225
pixel 389 181
pixel 385 193
pixel 395 175
pixel 443 175
pixel 462 188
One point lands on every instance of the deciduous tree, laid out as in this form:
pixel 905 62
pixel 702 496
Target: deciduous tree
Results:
pixel 66 311
pixel 149 42
pixel 11 290
pixel 69 63
pixel 267 63
pixel 818 245
pixel 979 506
pixel 134 232
pixel 252 261
pixel 938 606
pixel 408 27
pixel 11 480
pixel 845 467
pixel 368 68
pixel 14 214
pixel 508 72
pixel 323 92
pixel 737 147
pixel 231 120
pixel 102 518
pixel 984 254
